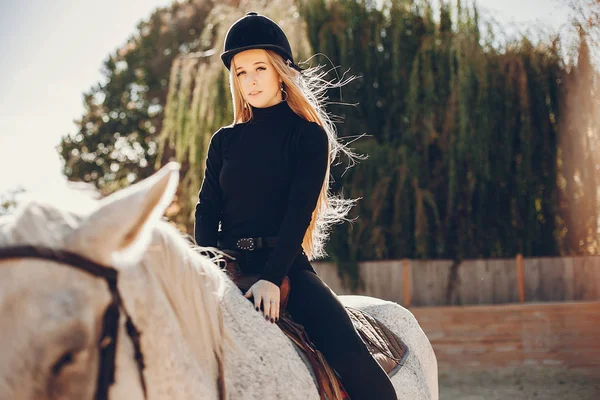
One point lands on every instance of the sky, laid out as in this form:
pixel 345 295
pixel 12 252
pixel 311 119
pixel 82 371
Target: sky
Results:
pixel 51 52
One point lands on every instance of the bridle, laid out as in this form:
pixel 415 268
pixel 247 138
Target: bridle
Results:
pixel 110 322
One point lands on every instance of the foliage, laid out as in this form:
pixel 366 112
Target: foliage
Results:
pixel 476 149
pixel 116 140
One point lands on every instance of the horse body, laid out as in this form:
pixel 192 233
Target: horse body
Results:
pixel 192 318
pixel 273 369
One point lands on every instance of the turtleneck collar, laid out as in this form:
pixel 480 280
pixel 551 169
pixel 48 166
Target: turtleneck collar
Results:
pixel 273 114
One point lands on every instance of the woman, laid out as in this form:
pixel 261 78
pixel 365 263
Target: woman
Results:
pixel 266 182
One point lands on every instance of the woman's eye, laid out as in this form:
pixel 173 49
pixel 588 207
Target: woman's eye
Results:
pixel 259 68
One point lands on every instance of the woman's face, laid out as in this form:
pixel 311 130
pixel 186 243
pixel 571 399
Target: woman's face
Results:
pixel 258 79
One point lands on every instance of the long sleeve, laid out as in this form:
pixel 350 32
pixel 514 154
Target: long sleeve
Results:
pixel 210 198
pixel 310 167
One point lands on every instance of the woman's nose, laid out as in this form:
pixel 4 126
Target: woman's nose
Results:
pixel 251 77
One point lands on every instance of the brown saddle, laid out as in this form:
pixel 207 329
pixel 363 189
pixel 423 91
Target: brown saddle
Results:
pixel 384 345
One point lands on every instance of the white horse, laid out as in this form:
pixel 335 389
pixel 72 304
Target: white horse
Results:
pixel 191 317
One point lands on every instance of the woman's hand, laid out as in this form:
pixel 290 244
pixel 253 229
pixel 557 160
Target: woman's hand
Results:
pixel 267 293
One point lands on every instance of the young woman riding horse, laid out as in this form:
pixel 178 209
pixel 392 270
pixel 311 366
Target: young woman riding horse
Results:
pixel 266 185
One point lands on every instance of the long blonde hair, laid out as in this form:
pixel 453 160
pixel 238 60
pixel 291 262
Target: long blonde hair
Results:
pixel 306 95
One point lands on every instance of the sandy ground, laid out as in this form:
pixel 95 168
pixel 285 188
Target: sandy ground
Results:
pixel 520 384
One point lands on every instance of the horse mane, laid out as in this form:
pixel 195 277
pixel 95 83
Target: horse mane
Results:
pixel 194 290
pixel 192 283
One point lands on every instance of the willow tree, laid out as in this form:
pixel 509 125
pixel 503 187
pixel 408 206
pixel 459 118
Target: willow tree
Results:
pixel 476 149
pixel 199 100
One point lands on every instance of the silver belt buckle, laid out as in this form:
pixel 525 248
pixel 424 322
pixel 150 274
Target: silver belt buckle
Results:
pixel 245 244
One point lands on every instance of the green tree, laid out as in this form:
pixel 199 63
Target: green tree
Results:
pixel 476 148
pixel 116 140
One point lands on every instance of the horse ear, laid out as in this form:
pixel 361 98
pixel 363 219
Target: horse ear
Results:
pixel 119 230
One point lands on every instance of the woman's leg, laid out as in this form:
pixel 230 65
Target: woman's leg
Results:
pixel 313 304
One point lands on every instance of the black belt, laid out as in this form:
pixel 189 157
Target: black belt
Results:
pixel 247 243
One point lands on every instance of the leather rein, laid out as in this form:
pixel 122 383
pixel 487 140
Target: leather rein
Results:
pixel 107 344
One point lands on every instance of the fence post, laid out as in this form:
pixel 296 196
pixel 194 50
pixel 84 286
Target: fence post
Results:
pixel 520 281
pixel 406 280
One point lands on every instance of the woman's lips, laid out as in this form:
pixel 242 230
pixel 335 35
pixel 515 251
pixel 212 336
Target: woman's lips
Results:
pixel 255 94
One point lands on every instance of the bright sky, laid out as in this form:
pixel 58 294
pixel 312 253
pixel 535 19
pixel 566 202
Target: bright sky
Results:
pixel 52 51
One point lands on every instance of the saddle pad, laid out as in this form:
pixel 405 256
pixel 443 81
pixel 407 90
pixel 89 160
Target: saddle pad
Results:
pixel 385 346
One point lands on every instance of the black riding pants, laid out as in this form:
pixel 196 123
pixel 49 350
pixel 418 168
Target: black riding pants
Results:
pixel 314 305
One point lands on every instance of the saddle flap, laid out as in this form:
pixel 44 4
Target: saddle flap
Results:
pixel 385 346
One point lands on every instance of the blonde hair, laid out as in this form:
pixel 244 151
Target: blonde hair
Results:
pixel 306 95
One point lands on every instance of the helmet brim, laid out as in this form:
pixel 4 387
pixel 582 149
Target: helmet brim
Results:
pixel 227 56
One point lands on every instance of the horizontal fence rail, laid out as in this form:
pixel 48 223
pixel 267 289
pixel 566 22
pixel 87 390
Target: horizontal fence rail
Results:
pixel 483 281
pixel 510 335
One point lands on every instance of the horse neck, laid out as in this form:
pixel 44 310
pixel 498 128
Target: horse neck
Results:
pixel 177 312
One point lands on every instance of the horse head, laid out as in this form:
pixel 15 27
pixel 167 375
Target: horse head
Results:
pixel 57 299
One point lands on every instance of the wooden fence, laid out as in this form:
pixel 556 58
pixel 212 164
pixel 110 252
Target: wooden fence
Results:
pixel 486 281
pixel 510 335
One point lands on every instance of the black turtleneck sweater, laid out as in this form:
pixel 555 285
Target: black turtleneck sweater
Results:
pixel 263 178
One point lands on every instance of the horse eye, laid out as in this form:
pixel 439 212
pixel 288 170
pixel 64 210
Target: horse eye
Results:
pixel 63 361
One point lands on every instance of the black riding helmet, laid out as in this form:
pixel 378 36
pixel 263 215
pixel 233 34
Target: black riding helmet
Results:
pixel 255 31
